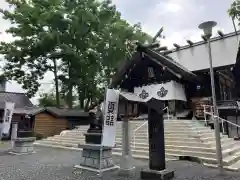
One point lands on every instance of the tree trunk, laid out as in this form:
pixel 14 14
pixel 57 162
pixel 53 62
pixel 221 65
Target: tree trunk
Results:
pixel 70 87
pixel 87 104
pixel 81 97
pixel 56 82
pixel 70 97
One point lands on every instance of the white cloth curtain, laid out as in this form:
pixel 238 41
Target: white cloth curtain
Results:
pixel 166 91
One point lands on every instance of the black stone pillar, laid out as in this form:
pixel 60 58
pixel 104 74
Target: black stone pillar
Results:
pixel 156 140
pixel 157 164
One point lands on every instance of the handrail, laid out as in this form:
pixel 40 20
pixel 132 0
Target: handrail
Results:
pixel 140 126
pixel 214 116
pixel 143 124
pixel 205 110
pixel 211 114
pixel 223 119
pixel 228 121
pixel 167 111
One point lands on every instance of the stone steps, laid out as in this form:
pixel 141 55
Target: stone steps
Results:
pixel 168 157
pixel 177 150
pixel 139 146
pixel 183 143
pixel 182 138
pixel 145 134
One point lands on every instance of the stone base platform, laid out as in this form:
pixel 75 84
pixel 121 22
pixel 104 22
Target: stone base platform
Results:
pixel 23 146
pixel 149 174
pixel 127 172
pixel 91 158
pixel 13 153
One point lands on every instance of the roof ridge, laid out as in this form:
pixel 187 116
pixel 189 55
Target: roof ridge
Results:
pixel 12 92
pixel 216 38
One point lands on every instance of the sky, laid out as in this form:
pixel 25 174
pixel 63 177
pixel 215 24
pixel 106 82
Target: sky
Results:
pixel 180 19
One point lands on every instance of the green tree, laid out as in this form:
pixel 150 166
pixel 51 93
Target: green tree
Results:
pixel 31 54
pixel 49 100
pixel 81 42
pixel 234 10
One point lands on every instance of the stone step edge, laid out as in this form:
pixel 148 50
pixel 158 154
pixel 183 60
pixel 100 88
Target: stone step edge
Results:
pixel 229 168
pixel 191 137
pixel 209 142
pixel 116 153
pixel 138 151
pixel 80 149
pixel 138 148
pixel 183 151
pixel 144 144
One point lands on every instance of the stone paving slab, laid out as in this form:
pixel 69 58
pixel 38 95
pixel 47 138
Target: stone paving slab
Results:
pixel 57 164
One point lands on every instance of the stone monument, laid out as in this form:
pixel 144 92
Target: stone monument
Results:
pixel 157 164
pixel 23 144
pixel 95 157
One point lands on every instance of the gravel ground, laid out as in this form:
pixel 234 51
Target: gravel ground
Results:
pixel 56 164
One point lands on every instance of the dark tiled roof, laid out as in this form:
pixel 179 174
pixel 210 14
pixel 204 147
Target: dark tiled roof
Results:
pixel 61 112
pixel 20 99
pixel 156 57
pixel 170 63
pixel 29 111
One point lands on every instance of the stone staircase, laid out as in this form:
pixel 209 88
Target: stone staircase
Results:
pixel 182 138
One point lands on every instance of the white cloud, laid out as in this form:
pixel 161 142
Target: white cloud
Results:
pixel 171 7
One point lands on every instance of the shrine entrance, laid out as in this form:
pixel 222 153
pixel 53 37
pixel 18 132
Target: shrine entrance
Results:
pixel 152 78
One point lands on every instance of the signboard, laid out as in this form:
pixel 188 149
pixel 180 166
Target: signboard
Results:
pixel 166 91
pixel 7 118
pixel 110 118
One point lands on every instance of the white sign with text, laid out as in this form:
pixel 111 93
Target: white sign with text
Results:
pixel 7 118
pixel 110 118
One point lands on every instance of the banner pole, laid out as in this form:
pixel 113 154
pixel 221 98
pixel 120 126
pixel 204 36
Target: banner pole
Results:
pixel 1 129
pixel 100 165
pixel 101 149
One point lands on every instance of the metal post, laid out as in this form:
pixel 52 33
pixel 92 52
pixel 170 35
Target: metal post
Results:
pixel 1 128
pixel 216 121
pixel 14 133
pixel 204 113
pixel 100 162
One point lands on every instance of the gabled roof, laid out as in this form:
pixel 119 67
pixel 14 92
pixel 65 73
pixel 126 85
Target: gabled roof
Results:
pixel 28 111
pixel 67 112
pixel 59 112
pixel 20 99
pixel 158 59
pixel 169 63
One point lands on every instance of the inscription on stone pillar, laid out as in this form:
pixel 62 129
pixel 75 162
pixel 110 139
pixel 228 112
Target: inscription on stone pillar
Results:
pixel 156 136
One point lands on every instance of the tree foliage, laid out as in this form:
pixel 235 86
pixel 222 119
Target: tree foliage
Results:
pixel 47 100
pixel 85 39
pixel 234 10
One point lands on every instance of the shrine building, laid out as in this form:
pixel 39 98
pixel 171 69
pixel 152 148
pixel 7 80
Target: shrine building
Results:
pixel 180 77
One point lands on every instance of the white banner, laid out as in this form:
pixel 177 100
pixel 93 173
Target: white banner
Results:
pixel 167 91
pixel 7 118
pixel 110 118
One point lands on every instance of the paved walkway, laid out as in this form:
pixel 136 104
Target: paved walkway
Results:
pixel 56 164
